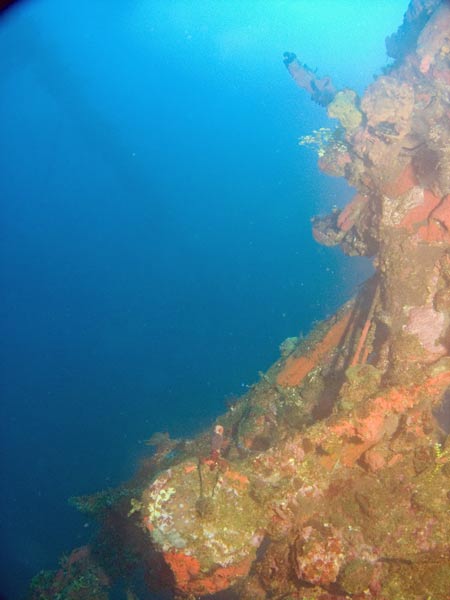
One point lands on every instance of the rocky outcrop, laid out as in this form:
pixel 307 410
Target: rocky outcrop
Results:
pixel 332 476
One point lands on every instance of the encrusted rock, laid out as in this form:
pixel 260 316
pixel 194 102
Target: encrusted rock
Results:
pixel 388 105
pixel 318 554
pixel 356 576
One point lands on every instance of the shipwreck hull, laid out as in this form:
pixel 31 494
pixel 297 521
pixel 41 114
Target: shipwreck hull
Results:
pixel 332 479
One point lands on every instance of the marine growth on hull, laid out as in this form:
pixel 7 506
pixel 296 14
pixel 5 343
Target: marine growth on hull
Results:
pixel 330 478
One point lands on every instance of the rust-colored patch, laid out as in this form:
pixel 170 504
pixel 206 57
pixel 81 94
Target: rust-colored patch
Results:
pixel 328 461
pixel 221 578
pixel 433 232
pixel 371 428
pixel 189 468
pixel 421 212
pixel 353 452
pixel 296 368
pixel 183 567
pixel 190 580
pixel 241 481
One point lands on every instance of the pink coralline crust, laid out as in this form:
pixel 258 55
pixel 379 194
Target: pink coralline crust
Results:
pixel 292 455
pixel 286 457
pixel 428 325
pixel 318 556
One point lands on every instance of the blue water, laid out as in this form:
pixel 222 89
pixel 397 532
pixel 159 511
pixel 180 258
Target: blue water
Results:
pixel 156 244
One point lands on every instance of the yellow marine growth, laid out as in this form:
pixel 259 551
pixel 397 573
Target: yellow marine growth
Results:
pixel 344 108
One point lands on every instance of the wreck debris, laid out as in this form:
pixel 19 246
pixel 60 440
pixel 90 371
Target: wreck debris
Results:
pixel 401 43
pixel 357 358
pixel 322 90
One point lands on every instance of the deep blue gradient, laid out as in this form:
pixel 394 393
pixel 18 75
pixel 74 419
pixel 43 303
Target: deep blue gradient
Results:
pixel 156 244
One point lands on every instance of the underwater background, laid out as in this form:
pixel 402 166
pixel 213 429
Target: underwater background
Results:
pixel 155 214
